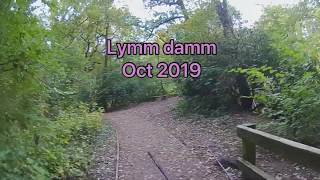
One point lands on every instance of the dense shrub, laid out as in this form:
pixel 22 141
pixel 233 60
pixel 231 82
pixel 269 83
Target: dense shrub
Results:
pixel 291 102
pixel 220 89
pixel 290 90
pixel 118 91
pixel 50 149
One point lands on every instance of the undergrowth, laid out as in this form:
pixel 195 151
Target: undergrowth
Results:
pixel 50 149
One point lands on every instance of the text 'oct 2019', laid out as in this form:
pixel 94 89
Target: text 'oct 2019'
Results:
pixel 162 69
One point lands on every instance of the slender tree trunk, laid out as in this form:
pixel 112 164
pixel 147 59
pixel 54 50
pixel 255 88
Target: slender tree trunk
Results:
pixel 183 9
pixel 225 18
pixel 241 81
pixel 106 57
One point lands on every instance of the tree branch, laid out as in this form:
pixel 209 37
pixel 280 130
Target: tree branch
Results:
pixel 162 23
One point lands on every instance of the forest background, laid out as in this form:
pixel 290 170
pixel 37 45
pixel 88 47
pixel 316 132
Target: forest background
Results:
pixel 55 80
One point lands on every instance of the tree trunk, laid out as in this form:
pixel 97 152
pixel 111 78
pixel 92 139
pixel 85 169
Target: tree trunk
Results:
pixel 225 18
pixel 241 81
pixel 183 9
pixel 106 57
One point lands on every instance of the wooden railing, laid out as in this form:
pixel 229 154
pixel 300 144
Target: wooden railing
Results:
pixel 291 150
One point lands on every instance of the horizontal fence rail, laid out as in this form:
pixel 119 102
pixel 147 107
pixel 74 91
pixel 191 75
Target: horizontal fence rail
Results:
pixel 291 150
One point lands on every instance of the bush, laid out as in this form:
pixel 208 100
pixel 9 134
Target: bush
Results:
pixel 291 100
pixel 50 149
pixel 118 91
pixel 218 89
pixel 297 109
pixel 209 93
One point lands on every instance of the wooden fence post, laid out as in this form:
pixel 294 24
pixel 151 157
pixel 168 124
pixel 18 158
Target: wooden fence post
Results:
pixel 249 148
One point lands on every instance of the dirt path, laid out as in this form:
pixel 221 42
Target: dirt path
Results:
pixel 139 134
pixel 187 147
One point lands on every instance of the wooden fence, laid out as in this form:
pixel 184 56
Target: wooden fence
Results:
pixel 291 150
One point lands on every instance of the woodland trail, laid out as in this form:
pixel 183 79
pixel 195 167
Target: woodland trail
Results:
pixel 141 136
pixel 187 147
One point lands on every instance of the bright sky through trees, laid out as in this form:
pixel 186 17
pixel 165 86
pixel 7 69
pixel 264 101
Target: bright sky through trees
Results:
pixel 251 10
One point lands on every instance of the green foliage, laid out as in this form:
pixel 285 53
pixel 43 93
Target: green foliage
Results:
pixel 217 88
pixel 211 92
pixel 118 91
pixel 50 149
pixel 290 91
pixel 293 106
pixel 53 72
pixel 45 132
